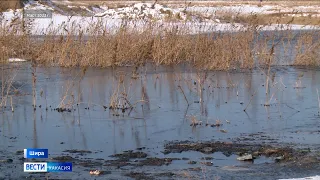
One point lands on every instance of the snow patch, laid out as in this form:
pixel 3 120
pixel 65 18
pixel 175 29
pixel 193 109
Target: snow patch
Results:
pixel 306 178
pixel 69 6
pixel 142 11
pixel 16 60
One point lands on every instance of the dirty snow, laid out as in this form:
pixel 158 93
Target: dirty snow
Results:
pixel 244 9
pixel 306 178
pixel 35 5
pixel 85 8
pixel 252 9
pixel 296 11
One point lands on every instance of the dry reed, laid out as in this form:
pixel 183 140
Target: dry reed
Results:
pixel 160 46
pixel 7 79
pixel 318 101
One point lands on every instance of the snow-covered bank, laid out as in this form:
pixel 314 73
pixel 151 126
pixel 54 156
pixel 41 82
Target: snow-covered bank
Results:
pixel 65 25
pixel 138 16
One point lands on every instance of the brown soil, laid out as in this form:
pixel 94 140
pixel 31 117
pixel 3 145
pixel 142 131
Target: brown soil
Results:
pixel 130 155
pixel 156 161
pixel 139 175
pixel 228 148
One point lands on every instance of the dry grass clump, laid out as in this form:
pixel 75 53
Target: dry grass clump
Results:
pixel 214 51
pixel 7 90
pixel 15 38
pixel 129 47
pixel 308 50
pixel 194 121
pixel 119 98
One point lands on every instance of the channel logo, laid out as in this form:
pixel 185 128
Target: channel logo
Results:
pixel 35 167
pixel 47 167
pixel 35 153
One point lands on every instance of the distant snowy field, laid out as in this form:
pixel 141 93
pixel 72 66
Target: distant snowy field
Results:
pixel 194 19
pixel 314 11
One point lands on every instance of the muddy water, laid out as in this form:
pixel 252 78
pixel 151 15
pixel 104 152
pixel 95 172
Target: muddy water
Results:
pixel 286 116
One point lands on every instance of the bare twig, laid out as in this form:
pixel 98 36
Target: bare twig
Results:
pixel 250 100
pixel 292 107
pixel 185 97
pixel 11 104
pixel 318 101
pixel 34 79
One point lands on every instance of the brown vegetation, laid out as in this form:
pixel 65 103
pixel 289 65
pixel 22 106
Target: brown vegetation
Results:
pixel 272 18
pixel 10 4
pixel 207 2
pixel 167 46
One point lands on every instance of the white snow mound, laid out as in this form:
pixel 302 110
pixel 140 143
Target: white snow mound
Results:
pixel 142 11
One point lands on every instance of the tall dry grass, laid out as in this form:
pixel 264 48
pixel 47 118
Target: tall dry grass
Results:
pixel 308 50
pixel 245 49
